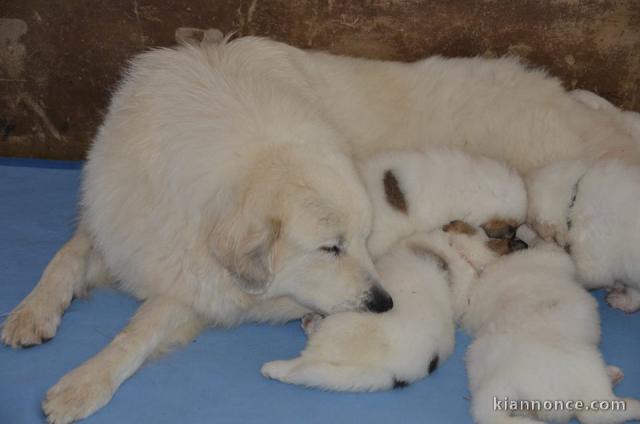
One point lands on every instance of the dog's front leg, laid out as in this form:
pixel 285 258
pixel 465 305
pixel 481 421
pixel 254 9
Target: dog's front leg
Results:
pixel 159 323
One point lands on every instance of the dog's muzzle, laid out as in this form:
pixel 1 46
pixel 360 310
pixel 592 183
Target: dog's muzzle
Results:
pixel 378 300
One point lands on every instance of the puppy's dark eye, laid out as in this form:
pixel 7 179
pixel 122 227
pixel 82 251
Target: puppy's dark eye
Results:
pixel 335 250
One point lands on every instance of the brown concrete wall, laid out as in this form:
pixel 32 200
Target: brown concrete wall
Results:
pixel 59 59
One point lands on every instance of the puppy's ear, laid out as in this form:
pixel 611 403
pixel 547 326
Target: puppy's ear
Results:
pixel 246 249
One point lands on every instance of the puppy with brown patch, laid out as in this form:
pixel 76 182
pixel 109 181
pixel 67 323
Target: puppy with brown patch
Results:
pixel 421 191
pixel 588 209
pixel 364 352
pixel 536 335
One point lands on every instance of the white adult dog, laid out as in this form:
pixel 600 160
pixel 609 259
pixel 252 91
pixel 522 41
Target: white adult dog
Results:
pixel 220 187
pixel 589 209
pixel 219 195
pixel 353 351
pixel 536 335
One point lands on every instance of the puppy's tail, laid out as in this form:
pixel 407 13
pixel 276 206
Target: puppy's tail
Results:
pixel 611 411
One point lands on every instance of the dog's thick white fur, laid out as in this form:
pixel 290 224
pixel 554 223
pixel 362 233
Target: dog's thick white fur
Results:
pixel 536 333
pixel 590 209
pixel 353 351
pixel 421 191
pixel 216 193
pixel 221 181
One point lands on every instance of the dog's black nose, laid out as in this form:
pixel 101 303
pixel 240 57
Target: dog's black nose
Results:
pixel 378 300
pixel 517 244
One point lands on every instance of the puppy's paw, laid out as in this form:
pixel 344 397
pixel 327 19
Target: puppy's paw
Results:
pixel 30 325
pixel 622 299
pixel 615 374
pixel 277 370
pixel 310 322
pixel 77 395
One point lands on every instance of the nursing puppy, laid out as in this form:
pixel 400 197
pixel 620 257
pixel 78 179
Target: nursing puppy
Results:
pixel 421 191
pixel 590 210
pixel 536 335
pixel 364 352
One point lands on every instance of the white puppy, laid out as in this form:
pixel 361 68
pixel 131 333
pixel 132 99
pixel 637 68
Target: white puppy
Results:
pixel 536 339
pixel 590 210
pixel 364 352
pixel 419 192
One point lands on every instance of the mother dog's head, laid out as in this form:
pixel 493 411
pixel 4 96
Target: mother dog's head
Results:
pixel 295 223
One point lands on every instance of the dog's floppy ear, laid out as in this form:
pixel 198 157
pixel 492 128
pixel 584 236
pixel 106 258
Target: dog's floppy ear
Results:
pixel 245 248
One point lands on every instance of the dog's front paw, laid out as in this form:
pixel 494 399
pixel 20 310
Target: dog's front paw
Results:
pixel 28 325
pixel 276 370
pixel 77 395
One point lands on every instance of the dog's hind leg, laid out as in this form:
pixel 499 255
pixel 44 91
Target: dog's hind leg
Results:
pixel 329 376
pixel 159 323
pixel 75 268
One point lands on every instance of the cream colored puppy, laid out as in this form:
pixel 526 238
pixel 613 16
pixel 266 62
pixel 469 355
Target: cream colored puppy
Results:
pixel 420 191
pixel 536 335
pixel 589 210
pixel 365 352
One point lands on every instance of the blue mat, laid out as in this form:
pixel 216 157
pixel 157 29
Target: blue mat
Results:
pixel 216 378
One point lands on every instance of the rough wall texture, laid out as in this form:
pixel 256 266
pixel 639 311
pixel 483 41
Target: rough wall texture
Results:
pixel 59 59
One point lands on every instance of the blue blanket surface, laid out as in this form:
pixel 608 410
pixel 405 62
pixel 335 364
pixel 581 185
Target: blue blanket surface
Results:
pixel 217 377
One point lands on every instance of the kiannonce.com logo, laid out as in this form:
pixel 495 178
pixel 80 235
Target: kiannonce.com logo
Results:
pixel 517 405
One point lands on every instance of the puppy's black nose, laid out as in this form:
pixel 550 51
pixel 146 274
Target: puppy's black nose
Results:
pixel 378 300
pixel 516 244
